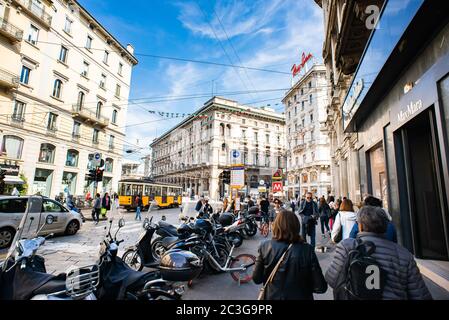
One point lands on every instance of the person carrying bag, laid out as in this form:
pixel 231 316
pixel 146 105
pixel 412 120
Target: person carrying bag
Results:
pixel 286 265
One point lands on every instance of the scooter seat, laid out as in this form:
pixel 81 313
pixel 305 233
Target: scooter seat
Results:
pixel 168 227
pixel 166 242
pixel 55 285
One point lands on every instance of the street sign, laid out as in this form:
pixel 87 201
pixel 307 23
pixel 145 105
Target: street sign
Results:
pixel 96 159
pixel 262 182
pixel 277 186
pixel 277 175
pixel 237 177
pixel 236 157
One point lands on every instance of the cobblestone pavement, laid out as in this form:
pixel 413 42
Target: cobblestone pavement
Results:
pixel 63 252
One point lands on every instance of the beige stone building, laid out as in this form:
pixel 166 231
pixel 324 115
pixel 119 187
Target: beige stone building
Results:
pixel 308 148
pixel 345 39
pixel 64 86
pixel 195 153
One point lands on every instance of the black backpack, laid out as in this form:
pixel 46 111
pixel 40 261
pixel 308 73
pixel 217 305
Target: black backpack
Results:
pixel 365 279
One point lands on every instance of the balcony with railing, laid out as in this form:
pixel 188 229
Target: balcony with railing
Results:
pixel 299 147
pixel 36 11
pixel 8 80
pixel 89 117
pixel 10 31
pixel 15 120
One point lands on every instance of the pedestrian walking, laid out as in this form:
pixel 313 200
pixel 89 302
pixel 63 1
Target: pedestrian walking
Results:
pixel 325 213
pixel 345 220
pixel 105 204
pixel 199 205
pixel 249 202
pixel 308 211
pixel 116 203
pixel 391 233
pixel 293 205
pixel 399 278
pixel 139 205
pixel 96 209
pixel 286 265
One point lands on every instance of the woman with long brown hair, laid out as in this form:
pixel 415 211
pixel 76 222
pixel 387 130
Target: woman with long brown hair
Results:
pixel 286 265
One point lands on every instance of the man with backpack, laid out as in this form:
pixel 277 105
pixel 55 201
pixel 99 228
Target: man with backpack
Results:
pixel 371 267
pixel 308 211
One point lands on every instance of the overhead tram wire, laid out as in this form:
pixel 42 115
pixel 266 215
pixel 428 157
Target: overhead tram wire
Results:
pixel 176 59
pixel 221 44
pixel 233 48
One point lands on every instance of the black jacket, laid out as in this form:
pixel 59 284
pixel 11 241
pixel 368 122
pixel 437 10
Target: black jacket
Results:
pixel 294 279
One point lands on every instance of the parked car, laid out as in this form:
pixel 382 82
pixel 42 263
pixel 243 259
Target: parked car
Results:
pixel 12 209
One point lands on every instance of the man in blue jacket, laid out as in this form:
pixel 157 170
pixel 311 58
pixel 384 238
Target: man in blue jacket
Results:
pixel 308 211
pixel 391 230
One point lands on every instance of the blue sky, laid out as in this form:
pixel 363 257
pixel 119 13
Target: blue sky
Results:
pixel 268 34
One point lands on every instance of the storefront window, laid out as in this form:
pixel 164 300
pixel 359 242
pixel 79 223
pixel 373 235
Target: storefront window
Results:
pixel 378 174
pixel 47 153
pixel 42 182
pixel 72 158
pixel 69 182
pixel 12 147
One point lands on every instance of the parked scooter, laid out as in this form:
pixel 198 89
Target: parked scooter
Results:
pixel 118 281
pixel 23 274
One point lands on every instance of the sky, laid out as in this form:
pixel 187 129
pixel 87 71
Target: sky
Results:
pixel 266 34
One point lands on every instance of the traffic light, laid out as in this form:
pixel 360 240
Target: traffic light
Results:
pixel 227 176
pixel 99 175
pixel 2 181
pixel 92 175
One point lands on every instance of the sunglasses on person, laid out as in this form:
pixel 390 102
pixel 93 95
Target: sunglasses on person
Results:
pixel 308 198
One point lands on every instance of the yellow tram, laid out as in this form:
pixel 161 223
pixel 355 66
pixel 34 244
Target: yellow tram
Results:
pixel 166 195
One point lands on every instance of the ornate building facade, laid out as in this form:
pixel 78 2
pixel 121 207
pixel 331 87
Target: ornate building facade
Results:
pixel 195 153
pixel 308 148
pixel 64 86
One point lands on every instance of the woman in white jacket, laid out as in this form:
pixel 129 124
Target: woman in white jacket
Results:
pixel 345 220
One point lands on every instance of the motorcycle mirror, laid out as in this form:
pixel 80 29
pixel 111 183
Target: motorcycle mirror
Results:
pixel 163 218
pixel 121 223
pixel 50 219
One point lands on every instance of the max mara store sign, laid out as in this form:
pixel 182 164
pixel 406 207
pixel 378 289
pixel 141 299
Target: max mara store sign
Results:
pixel 409 111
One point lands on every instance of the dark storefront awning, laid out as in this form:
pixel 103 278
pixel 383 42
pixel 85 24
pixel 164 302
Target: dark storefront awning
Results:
pixel 389 50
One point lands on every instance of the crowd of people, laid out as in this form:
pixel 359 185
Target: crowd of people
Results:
pixel 288 267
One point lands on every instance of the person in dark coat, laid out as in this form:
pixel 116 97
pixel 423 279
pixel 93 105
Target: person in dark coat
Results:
pixel 299 275
pixel 403 278
pixel 106 203
pixel 308 211
pixel 325 213
pixel 390 234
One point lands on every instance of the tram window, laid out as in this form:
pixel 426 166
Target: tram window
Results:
pixel 164 191
pixel 139 189
pixel 147 190
pixel 127 191
pixel 171 191
pixel 134 189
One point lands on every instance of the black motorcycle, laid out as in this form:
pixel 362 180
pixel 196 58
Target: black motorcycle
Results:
pixel 118 281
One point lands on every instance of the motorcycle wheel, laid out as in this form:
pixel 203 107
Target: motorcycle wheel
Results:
pixel 237 237
pixel 250 229
pixel 221 259
pixel 157 249
pixel 132 259
pixel 240 261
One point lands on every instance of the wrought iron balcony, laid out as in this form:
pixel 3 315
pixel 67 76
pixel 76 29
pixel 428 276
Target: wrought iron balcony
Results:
pixel 10 31
pixel 89 117
pixel 31 8
pixel 8 80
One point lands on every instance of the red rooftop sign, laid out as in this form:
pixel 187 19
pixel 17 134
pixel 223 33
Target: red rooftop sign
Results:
pixel 297 68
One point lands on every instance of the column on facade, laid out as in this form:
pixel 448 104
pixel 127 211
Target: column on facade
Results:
pixel 213 183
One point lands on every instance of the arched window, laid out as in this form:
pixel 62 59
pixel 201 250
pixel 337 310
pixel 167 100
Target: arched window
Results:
pixel 72 158
pixel 114 116
pixel 80 102
pixel 99 106
pixel 47 153
pixel 12 147
pixel 313 177
pixel 228 126
pixel 222 129
pixel 57 88
pixel 108 165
